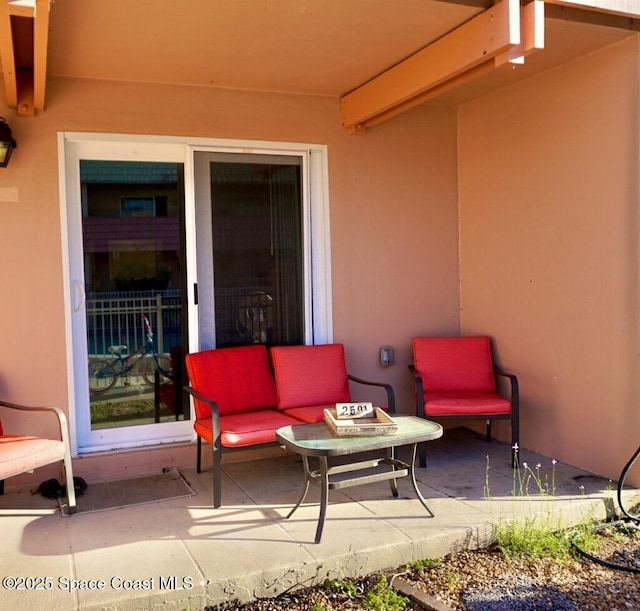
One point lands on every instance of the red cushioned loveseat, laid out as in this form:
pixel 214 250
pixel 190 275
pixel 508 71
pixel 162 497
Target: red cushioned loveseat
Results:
pixel 243 395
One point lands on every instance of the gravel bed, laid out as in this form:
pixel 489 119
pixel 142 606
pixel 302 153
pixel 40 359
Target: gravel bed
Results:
pixel 485 580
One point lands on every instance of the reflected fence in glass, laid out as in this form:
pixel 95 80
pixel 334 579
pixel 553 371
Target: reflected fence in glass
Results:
pixel 134 341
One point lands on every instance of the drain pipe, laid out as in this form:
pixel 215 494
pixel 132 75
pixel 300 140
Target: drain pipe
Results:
pixel 633 519
pixel 623 475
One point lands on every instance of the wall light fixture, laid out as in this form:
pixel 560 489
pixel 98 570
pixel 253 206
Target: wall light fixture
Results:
pixel 7 143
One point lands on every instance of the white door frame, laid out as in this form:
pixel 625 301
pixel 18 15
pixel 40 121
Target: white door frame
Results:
pixel 120 147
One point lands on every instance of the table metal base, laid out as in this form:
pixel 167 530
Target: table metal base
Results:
pixel 322 477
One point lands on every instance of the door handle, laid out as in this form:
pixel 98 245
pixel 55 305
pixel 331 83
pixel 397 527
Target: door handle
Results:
pixel 83 296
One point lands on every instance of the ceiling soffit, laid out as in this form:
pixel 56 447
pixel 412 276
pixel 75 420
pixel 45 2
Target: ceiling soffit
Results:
pixel 302 46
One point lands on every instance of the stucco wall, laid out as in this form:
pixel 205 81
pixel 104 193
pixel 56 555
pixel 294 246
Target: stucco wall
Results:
pixel 549 174
pixel 393 206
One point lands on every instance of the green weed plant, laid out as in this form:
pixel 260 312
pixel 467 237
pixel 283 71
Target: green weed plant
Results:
pixel 538 536
pixel 344 587
pixel 382 597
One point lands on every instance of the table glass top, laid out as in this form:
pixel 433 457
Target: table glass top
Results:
pixel 318 440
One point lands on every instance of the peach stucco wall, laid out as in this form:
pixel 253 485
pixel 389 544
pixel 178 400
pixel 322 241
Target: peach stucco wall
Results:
pixel 534 189
pixel 549 175
pixel 393 207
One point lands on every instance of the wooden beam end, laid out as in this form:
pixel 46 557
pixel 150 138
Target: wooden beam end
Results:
pixel 355 130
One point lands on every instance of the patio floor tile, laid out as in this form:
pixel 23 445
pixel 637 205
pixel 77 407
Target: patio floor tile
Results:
pixel 182 553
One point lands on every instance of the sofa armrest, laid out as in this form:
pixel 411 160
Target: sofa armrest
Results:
pixel 200 397
pixel 64 436
pixel 60 415
pixel 213 406
pixel 391 397
pixel 417 378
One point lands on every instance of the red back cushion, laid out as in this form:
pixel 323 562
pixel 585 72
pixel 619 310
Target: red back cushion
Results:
pixel 310 375
pixel 237 379
pixel 454 363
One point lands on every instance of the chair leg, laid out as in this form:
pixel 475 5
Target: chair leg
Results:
pixel 422 454
pixel 199 456
pixel 217 475
pixel 71 488
pixel 488 429
pixel 1 487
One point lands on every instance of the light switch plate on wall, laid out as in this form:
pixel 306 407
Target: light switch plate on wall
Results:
pixel 386 356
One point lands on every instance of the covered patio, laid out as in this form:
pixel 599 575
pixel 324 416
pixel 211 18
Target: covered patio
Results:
pixel 181 553
pixel 489 188
pixel 476 171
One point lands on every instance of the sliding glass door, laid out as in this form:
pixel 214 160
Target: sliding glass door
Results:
pixel 250 236
pixel 133 250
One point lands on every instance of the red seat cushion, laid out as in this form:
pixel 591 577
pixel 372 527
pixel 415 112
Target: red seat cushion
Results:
pixel 465 403
pixel 310 375
pixel 20 453
pixel 240 430
pixel 309 414
pixel 237 379
pixel 454 363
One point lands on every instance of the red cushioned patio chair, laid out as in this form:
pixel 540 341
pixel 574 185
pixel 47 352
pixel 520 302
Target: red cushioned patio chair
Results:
pixel 312 378
pixel 455 378
pixel 24 453
pixel 235 403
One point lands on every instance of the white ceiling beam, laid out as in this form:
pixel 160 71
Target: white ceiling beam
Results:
pixel 482 38
pixel 624 8
pixel 531 34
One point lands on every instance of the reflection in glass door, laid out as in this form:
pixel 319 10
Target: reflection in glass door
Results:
pixel 133 248
pixel 251 281
pixel 256 209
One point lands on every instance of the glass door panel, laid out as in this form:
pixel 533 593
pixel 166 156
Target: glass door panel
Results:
pixel 256 223
pixel 133 249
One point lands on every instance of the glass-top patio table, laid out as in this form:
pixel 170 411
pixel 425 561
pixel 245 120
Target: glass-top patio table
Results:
pixel 317 440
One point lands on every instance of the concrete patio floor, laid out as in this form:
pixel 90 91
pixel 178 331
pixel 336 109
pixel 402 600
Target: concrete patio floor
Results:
pixel 183 554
